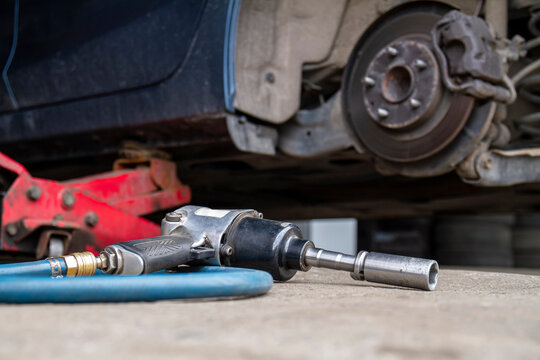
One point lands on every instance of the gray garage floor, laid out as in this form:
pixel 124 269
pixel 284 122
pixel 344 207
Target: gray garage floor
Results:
pixel 320 315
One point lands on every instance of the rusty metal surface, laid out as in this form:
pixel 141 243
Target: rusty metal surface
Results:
pixel 469 46
pixel 398 133
pixel 454 153
pixel 408 73
pixel 499 168
pixel 469 60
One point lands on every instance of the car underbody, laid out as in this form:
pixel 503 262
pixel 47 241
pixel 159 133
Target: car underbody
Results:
pixel 303 109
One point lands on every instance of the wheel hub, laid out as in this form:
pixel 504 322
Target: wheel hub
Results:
pixel 402 85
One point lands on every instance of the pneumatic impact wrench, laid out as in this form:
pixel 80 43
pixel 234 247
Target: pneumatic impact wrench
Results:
pixel 194 235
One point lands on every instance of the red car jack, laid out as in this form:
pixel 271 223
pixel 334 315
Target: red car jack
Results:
pixel 50 218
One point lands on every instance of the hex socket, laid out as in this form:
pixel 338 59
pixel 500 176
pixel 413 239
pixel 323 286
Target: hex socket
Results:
pixel 401 270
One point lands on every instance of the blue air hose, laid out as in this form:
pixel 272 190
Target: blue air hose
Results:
pixel 41 267
pixel 32 283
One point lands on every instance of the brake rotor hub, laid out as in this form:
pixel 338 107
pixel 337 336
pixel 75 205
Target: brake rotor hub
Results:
pixel 402 85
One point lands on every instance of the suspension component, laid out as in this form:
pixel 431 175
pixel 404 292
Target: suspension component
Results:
pixel 195 235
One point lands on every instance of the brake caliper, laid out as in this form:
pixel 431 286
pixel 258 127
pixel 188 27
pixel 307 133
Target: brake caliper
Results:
pixel 470 64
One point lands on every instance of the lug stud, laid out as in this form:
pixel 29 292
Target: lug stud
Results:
pixel 415 103
pixel 420 64
pixel 392 51
pixel 383 113
pixel 369 81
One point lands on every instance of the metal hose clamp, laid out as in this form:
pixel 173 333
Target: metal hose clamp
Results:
pixel 56 269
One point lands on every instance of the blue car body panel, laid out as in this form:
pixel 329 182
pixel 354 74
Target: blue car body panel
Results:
pixel 99 72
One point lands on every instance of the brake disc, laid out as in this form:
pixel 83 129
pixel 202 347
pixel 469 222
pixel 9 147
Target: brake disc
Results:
pixel 395 102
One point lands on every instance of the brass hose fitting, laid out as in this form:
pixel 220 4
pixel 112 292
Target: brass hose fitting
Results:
pixel 81 264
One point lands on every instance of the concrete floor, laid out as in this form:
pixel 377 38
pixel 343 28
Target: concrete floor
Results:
pixel 318 315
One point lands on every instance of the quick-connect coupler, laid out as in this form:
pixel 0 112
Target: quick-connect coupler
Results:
pixel 81 264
